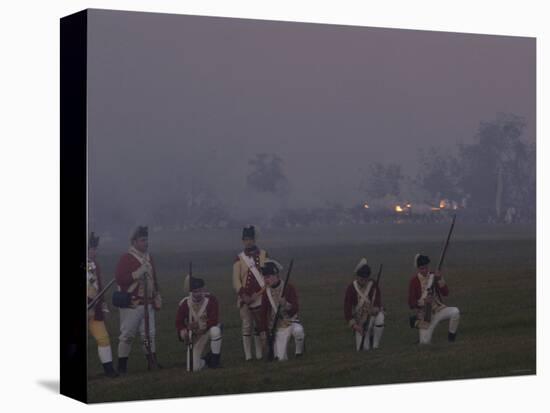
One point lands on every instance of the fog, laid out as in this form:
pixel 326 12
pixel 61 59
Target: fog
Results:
pixel 178 105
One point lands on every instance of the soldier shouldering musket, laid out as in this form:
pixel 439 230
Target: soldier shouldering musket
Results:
pixel 97 308
pixel 363 308
pixel 138 299
pixel 249 286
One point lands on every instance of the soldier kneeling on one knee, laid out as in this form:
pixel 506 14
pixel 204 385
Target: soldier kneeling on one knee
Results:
pixel 288 323
pixel 363 308
pixel 197 323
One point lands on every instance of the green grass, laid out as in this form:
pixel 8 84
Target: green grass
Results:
pixel 492 282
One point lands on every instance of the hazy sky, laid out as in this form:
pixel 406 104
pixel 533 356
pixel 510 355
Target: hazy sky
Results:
pixel 175 99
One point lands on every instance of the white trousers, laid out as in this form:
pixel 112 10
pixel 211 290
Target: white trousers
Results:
pixel 214 335
pixel 248 323
pixel 448 313
pixel 374 330
pixel 282 337
pixel 105 354
pixel 132 320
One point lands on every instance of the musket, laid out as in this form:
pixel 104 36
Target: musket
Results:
pixel 367 322
pixel 432 288
pixel 271 337
pixel 100 295
pixel 147 338
pixel 189 330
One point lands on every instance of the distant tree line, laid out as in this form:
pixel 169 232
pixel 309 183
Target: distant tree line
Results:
pixel 492 179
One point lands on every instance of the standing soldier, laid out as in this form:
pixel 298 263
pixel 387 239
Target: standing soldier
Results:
pixel 136 273
pixel 425 291
pixel 96 317
pixel 288 323
pixel 249 285
pixel 362 306
pixel 197 319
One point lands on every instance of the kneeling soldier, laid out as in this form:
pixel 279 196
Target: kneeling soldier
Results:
pixel 425 291
pixel 288 323
pixel 197 322
pixel 363 308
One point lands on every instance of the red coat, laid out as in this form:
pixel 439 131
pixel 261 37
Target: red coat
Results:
pixel 351 299
pixel 127 264
pixel 266 310
pixel 211 312
pixel 415 291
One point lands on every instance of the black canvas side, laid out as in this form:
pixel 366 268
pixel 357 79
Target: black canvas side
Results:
pixel 73 51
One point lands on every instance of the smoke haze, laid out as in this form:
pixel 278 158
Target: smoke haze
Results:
pixel 178 103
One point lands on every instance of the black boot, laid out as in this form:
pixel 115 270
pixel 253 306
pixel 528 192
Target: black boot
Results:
pixel 109 370
pixel 212 360
pixel 215 361
pixel 155 361
pixel 451 337
pixel 149 361
pixel 122 365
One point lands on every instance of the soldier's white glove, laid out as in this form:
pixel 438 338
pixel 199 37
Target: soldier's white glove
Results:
pixel 157 301
pixel 105 307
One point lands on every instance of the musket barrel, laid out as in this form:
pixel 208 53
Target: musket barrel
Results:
pixel 447 241
pixel 100 295
pixel 271 338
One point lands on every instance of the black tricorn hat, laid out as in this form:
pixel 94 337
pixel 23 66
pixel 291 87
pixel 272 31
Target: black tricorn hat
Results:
pixel 196 283
pixel 93 240
pixel 270 268
pixel 421 260
pixel 140 232
pixel 363 269
pixel 249 232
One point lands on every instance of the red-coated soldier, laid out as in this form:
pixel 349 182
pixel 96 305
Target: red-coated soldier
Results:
pixel 426 290
pixel 134 270
pixel 362 306
pixel 249 286
pixel 199 314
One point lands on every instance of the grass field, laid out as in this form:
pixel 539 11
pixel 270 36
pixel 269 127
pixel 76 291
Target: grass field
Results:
pixel 492 280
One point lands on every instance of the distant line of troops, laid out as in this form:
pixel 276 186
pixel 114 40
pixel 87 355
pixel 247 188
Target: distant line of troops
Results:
pixel 258 286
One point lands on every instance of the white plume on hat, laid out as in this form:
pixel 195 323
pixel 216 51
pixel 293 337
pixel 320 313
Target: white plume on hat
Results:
pixel 187 283
pixel 416 260
pixel 361 264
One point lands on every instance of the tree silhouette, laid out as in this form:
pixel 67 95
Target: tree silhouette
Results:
pixel 382 180
pixel 497 171
pixel 267 175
